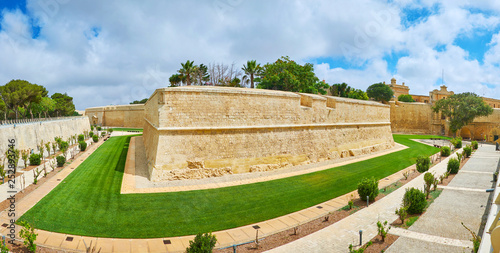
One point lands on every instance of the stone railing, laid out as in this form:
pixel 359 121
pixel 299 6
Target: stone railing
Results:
pixel 36 120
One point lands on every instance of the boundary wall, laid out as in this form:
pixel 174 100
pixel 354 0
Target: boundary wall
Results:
pixel 196 131
pixel 117 115
pixel 29 135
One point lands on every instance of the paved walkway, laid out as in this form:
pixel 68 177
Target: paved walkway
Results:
pixel 176 244
pixel 338 236
pixel 463 200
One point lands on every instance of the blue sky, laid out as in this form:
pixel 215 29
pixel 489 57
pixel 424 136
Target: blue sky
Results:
pixel 114 52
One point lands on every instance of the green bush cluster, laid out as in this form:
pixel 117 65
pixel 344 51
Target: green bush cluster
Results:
pixel 453 166
pixel 61 160
pixel 423 164
pixel 445 151
pixel 81 137
pixel 91 133
pixel 414 200
pixel 474 144
pixel 202 243
pixel 95 138
pixel 368 187
pixel 35 159
pixel 457 142
pixel 82 145
pixel 467 151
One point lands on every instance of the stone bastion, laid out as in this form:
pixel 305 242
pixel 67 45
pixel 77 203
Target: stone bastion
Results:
pixel 204 131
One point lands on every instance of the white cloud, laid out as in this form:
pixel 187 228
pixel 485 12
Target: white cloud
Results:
pixel 140 44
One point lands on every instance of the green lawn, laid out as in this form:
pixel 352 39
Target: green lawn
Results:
pixel 123 129
pixel 88 202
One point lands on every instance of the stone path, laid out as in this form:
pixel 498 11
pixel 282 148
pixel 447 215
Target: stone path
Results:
pixel 463 200
pixel 438 230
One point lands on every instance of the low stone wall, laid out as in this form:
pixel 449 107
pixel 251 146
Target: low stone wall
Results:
pixel 211 131
pixel 29 135
pixel 117 116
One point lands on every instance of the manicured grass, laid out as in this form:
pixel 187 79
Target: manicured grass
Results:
pixel 126 129
pixel 88 202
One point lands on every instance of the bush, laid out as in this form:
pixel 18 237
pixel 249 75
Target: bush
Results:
pixel 414 200
pixel 91 128
pixel 423 163
pixel 453 166
pixel 82 145
pixel 474 144
pixel 81 137
pixel 445 151
pixel 405 98
pixel 61 160
pixel 429 181
pixel 202 243
pixel 35 159
pixel 457 142
pixel 110 130
pixel 102 134
pixel 28 234
pixel 95 138
pixel 91 134
pixel 99 128
pixel 368 187
pixel 467 151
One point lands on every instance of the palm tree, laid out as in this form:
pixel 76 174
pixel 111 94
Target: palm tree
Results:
pixel 251 69
pixel 187 69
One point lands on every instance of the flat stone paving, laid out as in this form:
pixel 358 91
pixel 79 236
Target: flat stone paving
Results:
pixel 456 204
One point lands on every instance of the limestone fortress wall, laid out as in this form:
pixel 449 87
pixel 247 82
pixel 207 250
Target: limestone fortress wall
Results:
pixel 29 135
pixel 220 130
pixel 117 115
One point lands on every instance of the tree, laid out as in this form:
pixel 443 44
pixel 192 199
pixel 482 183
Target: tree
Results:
pixel 340 89
pixel 405 98
pixel 287 75
pixel 3 108
pixel 251 69
pixel 176 79
pixel 63 104
pixel 202 243
pixel 461 109
pixel 143 101
pixel 202 75
pixel 45 106
pixel 19 94
pixel 357 94
pixel 187 70
pixel 379 92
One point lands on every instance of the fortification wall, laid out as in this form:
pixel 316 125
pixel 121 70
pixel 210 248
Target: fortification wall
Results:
pixel 216 130
pixel 411 118
pixel 28 135
pixel 117 115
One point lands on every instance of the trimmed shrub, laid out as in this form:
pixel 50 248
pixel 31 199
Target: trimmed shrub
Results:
pixel 423 163
pixel 445 151
pixel 99 128
pixel 414 200
pixel 91 133
pixel 457 142
pixel 368 187
pixel 35 159
pixel 91 128
pixel 467 151
pixel 102 134
pixel 110 130
pixel 61 160
pixel 453 166
pixel 95 138
pixel 82 145
pixel 429 181
pixel 202 243
pixel 474 144
pixel 81 137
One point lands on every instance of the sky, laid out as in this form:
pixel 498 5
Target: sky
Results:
pixel 115 51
